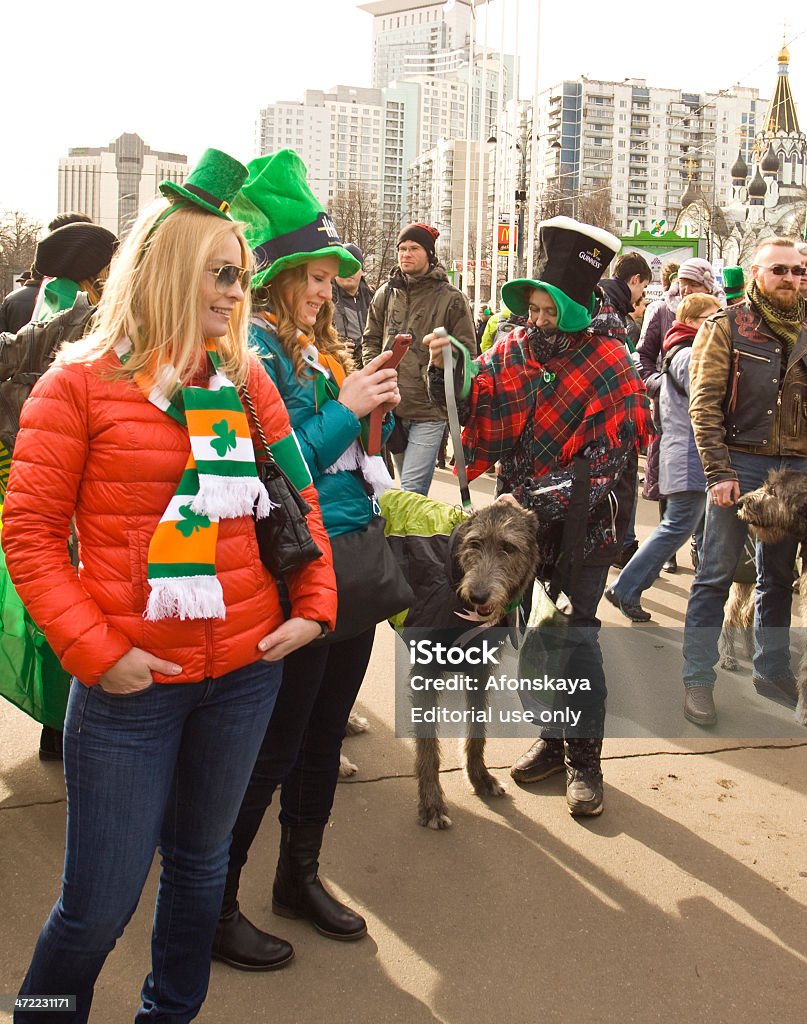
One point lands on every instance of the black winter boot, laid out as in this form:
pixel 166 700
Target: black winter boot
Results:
pixel 298 892
pixel 584 777
pixel 240 944
pixel 50 744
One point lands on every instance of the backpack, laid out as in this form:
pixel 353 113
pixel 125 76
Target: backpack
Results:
pixel 24 357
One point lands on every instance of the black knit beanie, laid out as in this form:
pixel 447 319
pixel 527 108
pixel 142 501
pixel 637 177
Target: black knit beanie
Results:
pixel 423 235
pixel 76 251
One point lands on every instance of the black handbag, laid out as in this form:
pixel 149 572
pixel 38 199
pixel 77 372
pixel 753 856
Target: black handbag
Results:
pixel 284 540
pixel 369 581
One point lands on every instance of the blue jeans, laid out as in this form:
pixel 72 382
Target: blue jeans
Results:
pixel 165 767
pixel 416 463
pixel 723 540
pixel 683 515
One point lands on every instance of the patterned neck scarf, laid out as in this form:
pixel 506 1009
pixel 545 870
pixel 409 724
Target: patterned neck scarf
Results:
pixel 220 481
pixel 786 324
pixel 329 376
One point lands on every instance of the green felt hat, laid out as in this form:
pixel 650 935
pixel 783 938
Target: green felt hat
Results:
pixel 733 282
pixel 572 316
pixel 285 224
pixel 212 185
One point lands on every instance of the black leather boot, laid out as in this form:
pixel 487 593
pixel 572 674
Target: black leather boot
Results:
pixel 240 944
pixel 50 744
pixel 298 892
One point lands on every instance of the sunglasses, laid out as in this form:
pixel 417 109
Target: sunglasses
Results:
pixel 780 270
pixel 227 275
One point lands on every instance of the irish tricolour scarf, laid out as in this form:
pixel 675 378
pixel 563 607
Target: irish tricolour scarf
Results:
pixel 220 481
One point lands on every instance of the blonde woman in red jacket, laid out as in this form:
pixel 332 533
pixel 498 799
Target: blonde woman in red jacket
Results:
pixel 172 628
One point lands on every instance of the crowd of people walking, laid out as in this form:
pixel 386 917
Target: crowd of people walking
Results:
pixel 231 339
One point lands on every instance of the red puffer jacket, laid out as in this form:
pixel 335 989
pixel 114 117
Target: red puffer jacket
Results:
pixel 96 447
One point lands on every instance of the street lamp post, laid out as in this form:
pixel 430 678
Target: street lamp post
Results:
pixel 518 197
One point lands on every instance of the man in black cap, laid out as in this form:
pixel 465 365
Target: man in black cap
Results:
pixel 17 307
pixel 417 298
pixel 351 301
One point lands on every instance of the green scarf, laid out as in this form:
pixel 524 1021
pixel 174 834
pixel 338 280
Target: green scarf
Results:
pixel 786 324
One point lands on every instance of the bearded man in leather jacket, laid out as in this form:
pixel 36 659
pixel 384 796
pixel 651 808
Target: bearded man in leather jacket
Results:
pixel 748 405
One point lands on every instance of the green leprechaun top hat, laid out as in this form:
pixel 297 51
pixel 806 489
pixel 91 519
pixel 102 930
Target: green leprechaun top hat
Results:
pixel 284 222
pixel 733 282
pixel 212 185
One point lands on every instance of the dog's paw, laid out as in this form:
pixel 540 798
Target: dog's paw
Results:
pixel 356 724
pixel 346 768
pixel 434 818
pixel 729 663
pixel 800 714
pixel 489 787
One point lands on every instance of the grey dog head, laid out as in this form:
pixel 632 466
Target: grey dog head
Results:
pixel 496 549
pixel 778 508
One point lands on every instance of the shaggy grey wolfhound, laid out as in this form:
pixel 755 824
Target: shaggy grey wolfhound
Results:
pixel 774 511
pixel 495 551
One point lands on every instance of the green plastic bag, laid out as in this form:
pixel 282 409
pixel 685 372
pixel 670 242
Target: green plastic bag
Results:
pixel 30 674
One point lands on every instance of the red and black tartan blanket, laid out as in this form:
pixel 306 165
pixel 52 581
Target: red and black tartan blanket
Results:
pixel 545 410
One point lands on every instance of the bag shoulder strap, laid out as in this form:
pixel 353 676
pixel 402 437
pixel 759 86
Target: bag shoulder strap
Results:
pixel 267 451
pixel 574 530
pixel 667 361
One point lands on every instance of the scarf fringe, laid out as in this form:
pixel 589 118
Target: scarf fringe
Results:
pixel 185 597
pixel 371 467
pixel 225 497
pixel 265 504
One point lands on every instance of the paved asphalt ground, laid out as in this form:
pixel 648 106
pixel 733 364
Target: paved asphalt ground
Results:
pixel 685 901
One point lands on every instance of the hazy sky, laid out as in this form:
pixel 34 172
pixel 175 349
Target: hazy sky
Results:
pixel 184 77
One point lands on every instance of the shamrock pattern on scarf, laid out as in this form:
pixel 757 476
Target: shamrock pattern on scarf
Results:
pixel 225 438
pixel 191 521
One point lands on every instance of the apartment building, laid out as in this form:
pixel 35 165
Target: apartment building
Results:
pixel 644 143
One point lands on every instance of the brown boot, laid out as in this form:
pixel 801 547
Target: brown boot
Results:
pixel 544 758
pixel 584 777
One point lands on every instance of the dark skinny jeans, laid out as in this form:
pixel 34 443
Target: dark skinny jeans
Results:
pixel 300 751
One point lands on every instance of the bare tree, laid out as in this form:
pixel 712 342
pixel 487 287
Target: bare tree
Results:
pixel 18 238
pixel 355 212
pixel 595 208
pixel 720 230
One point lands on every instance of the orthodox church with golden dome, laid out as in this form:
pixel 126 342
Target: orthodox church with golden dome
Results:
pixel 769 197
pixel 769 188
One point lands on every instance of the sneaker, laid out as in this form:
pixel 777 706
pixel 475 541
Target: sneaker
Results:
pixel 634 612
pixel 699 705
pixel 583 793
pixel 543 759
pixel 671 565
pixel 625 555
pixel 783 690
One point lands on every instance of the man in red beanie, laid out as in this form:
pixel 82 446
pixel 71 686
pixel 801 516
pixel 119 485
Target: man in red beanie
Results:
pixel 415 300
